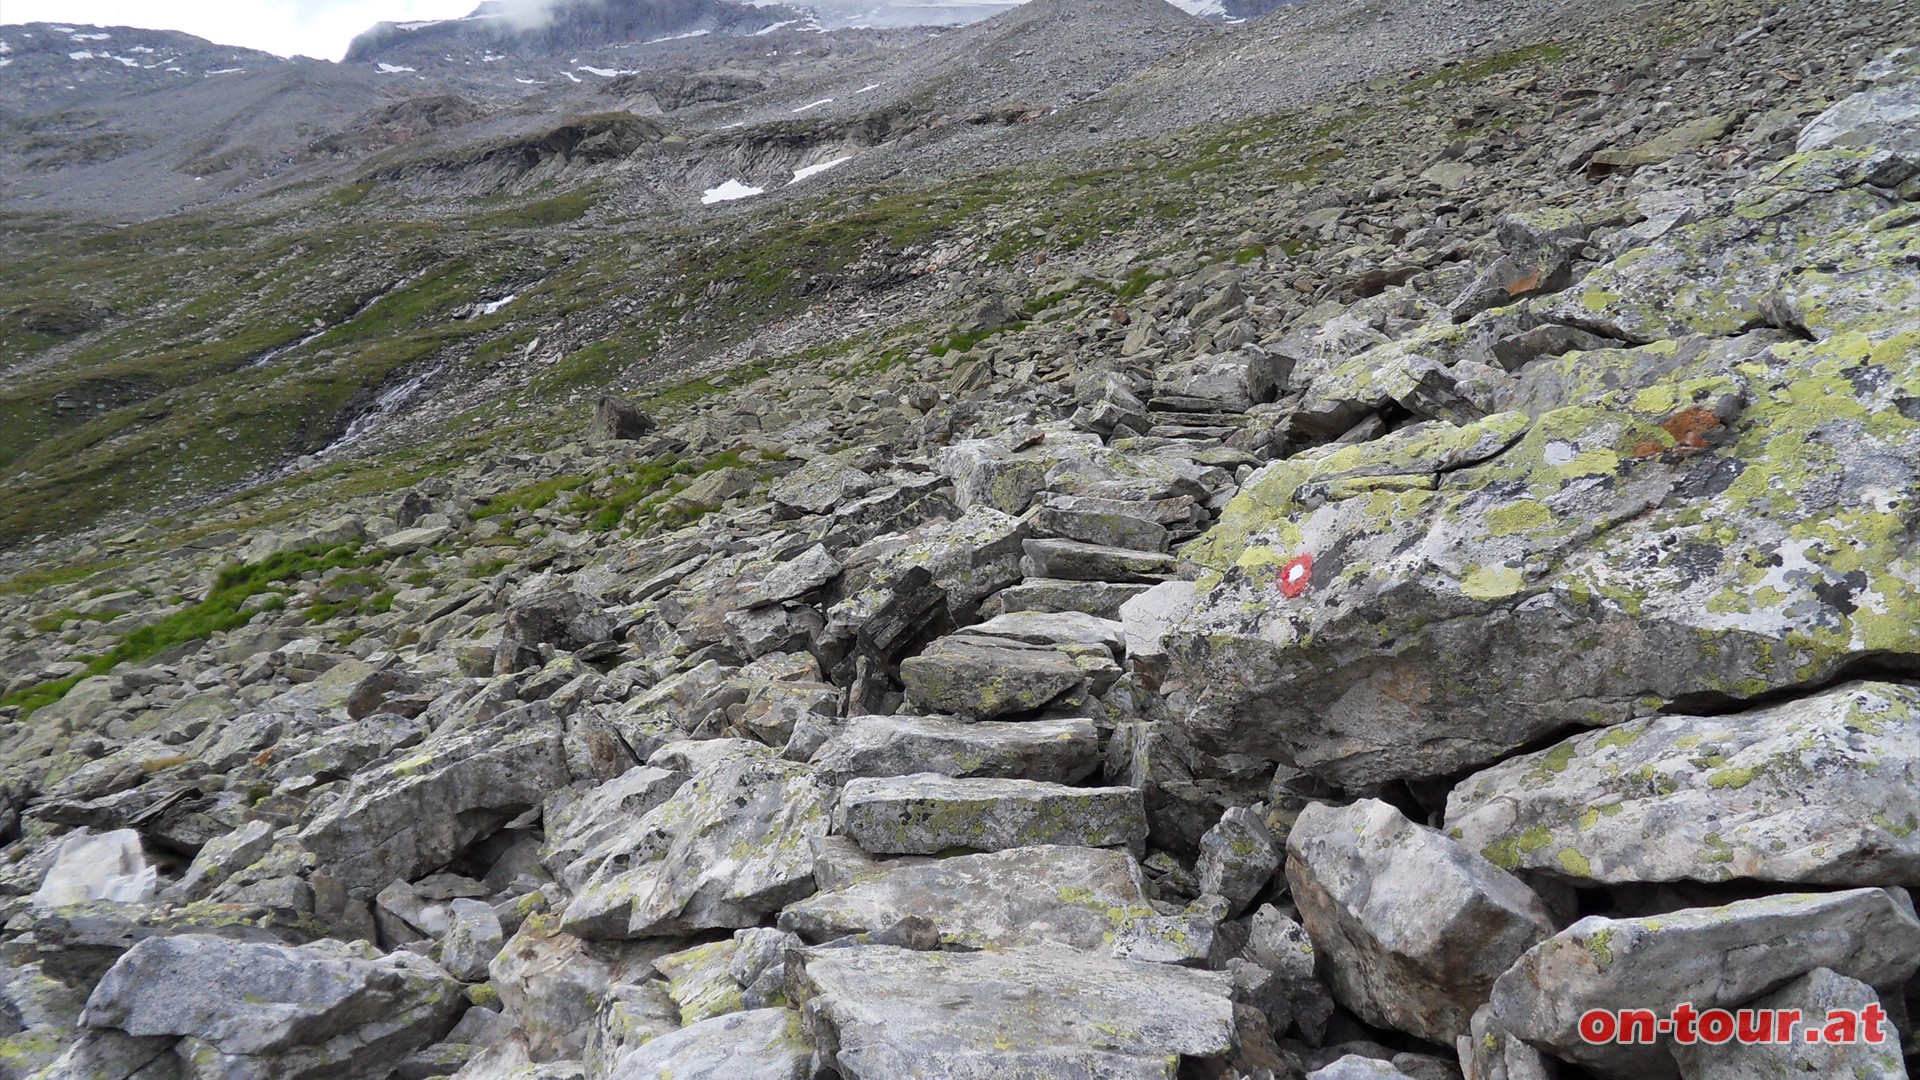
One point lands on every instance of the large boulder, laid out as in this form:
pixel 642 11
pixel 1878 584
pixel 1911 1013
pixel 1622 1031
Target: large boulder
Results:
pixel 1004 899
pixel 105 866
pixel 248 1009
pixel 1885 116
pixel 1410 928
pixel 617 419
pixel 881 1013
pixel 1714 515
pixel 404 819
pixel 1825 789
pixel 550 615
pixel 727 848
pixel 1871 1053
pixel 759 1044
pixel 1655 963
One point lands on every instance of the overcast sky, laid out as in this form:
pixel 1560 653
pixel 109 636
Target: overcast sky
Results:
pixel 319 28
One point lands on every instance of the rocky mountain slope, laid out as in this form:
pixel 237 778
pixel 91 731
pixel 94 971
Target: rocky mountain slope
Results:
pixel 1340 591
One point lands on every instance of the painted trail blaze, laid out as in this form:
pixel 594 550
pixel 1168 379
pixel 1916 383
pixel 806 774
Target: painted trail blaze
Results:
pixel 1296 575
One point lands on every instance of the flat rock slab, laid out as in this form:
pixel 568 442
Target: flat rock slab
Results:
pixel 1710 957
pixel 318 1010
pixel 1077 561
pixel 1059 751
pixel 981 681
pixel 1101 598
pixel 759 1044
pixel 1015 1014
pixel 1078 897
pixel 925 814
pixel 1822 790
pixel 1054 628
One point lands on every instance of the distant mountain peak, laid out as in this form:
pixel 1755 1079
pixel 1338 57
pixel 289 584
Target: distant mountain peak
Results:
pixel 521 29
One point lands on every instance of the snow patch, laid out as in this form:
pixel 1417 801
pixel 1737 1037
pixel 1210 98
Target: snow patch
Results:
pixel 605 73
pixel 571 75
pixel 676 37
pixel 4 47
pixel 4 61
pixel 127 60
pixel 393 69
pixel 79 56
pixel 492 306
pixel 223 71
pixel 529 82
pixel 93 37
pixel 729 191
pixel 814 104
pixel 869 86
pixel 815 170
pixel 771 27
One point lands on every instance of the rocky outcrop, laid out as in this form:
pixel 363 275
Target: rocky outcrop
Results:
pixel 1447 591
pixel 246 1009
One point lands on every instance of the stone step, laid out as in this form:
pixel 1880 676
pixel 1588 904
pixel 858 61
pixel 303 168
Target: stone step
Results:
pixel 1057 751
pixel 1192 434
pixel 1078 561
pixel 1106 529
pixel 1169 512
pixel 1054 628
pixel 1189 404
pixel 1101 598
pixel 926 813
pixel 980 679
pixel 1072 896
pixel 1043 1010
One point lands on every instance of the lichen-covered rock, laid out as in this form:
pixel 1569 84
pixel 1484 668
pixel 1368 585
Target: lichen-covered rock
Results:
pixel 980 680
pixel 1675 524
pixel 1885 116
pixel 472 940
pixel 1283 949
pixel 585 829
pixel 820 486
pixel 700 980
pixel 1825 790
pixel 551 984
pixel 761 1044
pixel 729 846
pixel 1237 858
pixel 1815 996
pixel 1410 928
pixel 1005 472
pixel 926 813
pixel 1077 561
pixel 880 1013
pixel 406 818
pixel 1655 963
pixel 250 1009
pixel 1060 751
pixel 552 615
pixel 1053 628
pixel 1004 899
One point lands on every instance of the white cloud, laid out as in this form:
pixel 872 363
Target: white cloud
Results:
pixel 319 28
